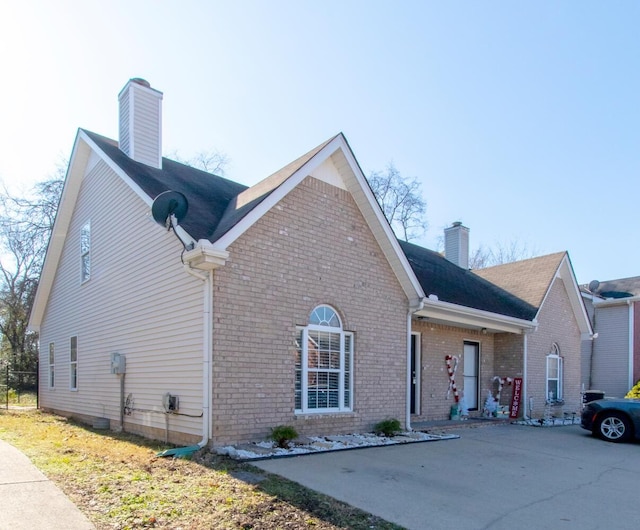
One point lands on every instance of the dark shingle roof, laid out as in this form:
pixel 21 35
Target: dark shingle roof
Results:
pixel 456 285
pixel 208 195
pixel 248 199
pixel 217 204
pixel 528 279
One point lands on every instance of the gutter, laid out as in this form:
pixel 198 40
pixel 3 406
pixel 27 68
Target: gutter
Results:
pixel 457 314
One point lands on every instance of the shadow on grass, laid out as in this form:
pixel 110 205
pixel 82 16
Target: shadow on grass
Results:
pixel 279 492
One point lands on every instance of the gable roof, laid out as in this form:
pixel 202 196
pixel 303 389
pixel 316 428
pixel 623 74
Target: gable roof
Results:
pixel 531 280
pixel 220 210
pixel 208 194
pixel 445 282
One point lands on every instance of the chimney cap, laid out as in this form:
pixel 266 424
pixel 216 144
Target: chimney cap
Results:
pixel 140 81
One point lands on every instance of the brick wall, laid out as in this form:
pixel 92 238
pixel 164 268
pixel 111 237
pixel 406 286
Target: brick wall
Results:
pixel 509 362
pixel 557 323
pixel 436 342
pixel 312 248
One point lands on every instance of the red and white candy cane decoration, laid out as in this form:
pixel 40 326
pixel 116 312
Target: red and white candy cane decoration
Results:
pixel 501 382
pixel 451 369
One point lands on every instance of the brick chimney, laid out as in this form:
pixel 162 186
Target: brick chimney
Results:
pixel 456 244
pixel 141 122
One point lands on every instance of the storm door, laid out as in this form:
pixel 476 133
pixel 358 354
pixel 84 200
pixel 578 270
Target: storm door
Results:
pixel 415 373
pixel 471 374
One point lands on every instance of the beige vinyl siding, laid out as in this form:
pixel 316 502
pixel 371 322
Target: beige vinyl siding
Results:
pixel 139 302
pixel 124 124
pixel 611 351
pixel 146 132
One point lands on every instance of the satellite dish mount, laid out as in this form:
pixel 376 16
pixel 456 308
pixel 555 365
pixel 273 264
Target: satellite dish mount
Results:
pixel 169 209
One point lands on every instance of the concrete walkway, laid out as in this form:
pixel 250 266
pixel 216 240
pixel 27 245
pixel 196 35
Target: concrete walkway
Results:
pixel 29 500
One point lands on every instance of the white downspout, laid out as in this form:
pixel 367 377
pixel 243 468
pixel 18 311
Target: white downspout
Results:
pixel 207 279
pixel 631 331
pixel 408 407
pixel 525 400
pixel 412 309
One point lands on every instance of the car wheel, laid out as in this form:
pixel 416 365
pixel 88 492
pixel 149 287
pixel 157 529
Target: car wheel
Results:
pixel 614 427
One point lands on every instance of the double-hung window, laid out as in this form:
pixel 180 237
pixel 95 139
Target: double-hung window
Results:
pixel 85 251
pixel 73 363
pixel 323 364
pixel 554 375
pixel 52 365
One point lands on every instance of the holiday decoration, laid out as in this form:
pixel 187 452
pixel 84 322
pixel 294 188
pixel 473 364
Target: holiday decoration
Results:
pixel 490 406
pixel 501 382
pixel 452 365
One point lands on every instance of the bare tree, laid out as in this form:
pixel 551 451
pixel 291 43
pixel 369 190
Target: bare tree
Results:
pixel 211 161
pixel 401 201
pixel 501 253
pixel 25 227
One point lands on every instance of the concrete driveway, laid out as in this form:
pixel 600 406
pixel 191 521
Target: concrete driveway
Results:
pixel 493 477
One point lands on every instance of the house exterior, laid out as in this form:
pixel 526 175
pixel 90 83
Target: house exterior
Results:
pixel 183 306
pixel 519 320
pixel 611 363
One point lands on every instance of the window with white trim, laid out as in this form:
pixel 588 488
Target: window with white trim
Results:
pixel 85 251
pixel 554 375
pixel 52 365
pixel 73 363
pixel 323 364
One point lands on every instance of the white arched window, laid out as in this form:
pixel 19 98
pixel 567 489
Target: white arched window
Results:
pixel 324 364
pixel 554 374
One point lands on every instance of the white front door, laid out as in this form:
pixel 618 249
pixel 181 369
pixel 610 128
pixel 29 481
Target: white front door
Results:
pixel 471 374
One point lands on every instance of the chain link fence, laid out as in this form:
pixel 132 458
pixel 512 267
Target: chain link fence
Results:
pixel 18 388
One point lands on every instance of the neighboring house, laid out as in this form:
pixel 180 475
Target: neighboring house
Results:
pixel 611 363
pixel 288 302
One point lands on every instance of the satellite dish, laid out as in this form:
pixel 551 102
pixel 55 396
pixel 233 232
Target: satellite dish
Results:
pixel 167 204
pixel 593 285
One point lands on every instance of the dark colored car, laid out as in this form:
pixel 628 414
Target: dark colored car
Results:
pixel 614 420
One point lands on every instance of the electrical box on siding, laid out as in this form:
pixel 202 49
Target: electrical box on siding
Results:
pixel 118 363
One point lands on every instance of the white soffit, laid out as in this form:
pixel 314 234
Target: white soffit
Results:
pixel 328 173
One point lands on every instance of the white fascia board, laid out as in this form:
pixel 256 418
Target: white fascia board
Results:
pixel 466 316
pixel 605 302
pixel 73 179
pixel 565 272
pixel 117 169
pixel 366 201
pixel 82 148
pixel 183 235
pixel 274 197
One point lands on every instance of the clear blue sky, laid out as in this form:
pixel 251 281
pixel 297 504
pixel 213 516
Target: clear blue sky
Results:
pixel 520 119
